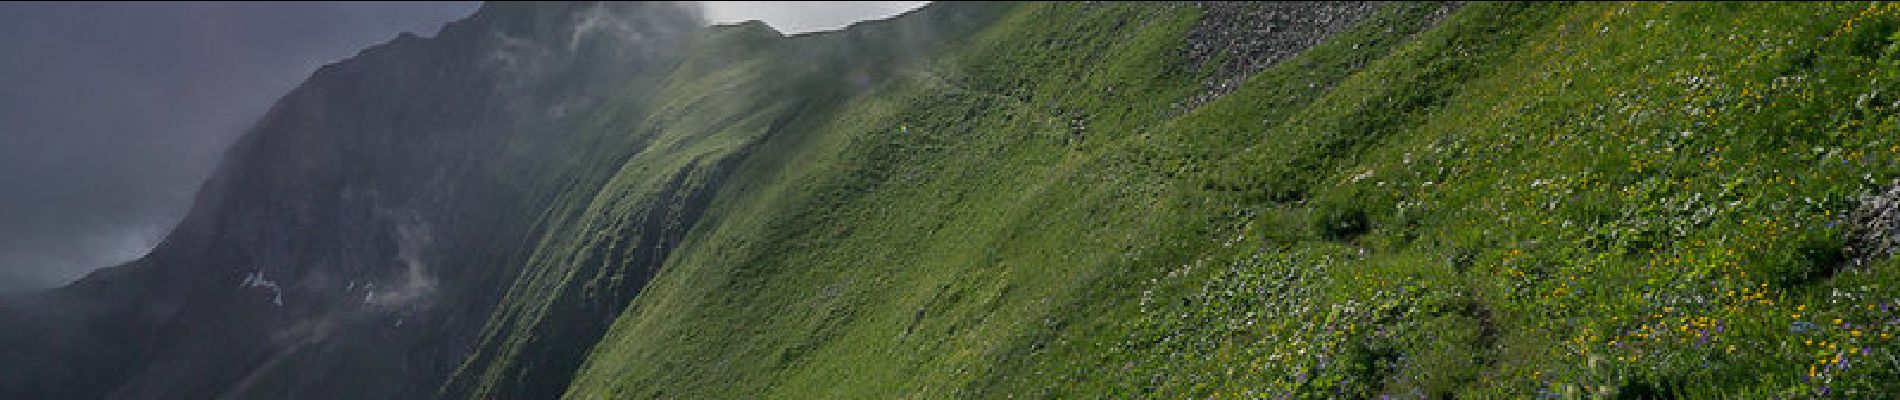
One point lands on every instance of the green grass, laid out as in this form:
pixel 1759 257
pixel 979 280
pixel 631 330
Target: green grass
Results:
pixel 1525 200
pixel 600 238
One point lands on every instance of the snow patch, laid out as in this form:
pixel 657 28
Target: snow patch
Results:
pixel 256 279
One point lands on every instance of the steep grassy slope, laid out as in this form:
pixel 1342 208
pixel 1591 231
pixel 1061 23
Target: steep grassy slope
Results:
pixel 1521 200
pixel 738 87
pixel 961 195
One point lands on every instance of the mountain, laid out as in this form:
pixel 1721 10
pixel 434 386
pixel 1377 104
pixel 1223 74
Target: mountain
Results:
pixel 354 240
pixel 1191 199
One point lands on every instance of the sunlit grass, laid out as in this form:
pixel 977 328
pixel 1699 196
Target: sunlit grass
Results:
pixel 1525 200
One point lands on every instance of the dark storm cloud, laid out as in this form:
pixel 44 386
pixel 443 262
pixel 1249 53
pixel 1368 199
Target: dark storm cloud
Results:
pixel 111 114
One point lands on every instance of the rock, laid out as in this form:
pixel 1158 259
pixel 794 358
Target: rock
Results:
pixel 1873 228
pixel 1247 37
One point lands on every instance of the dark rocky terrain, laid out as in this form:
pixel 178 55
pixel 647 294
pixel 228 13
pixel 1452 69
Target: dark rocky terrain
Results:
pixel 354 241
pixel 1239 38
pixel 1873 229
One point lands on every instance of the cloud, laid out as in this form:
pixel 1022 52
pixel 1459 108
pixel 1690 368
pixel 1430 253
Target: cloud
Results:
pixel 801 16
pixel 112 114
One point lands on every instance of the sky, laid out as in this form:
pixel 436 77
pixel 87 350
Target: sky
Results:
pixel 112 114
pixel 805 16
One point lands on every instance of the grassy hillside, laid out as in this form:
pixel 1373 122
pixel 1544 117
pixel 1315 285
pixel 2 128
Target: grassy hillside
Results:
pixel 648 166
pixel 1519 200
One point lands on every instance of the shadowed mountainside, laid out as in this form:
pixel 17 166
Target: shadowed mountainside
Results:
pixel 352 243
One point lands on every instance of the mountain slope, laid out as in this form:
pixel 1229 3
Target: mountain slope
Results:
pixel 1313 200
pixel 1520 200
pixel 727 101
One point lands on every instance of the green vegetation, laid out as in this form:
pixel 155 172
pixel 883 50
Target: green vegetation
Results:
pixel 1523 200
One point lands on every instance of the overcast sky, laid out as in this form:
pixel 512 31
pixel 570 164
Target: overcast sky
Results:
pixel 111 114
pixel 805 16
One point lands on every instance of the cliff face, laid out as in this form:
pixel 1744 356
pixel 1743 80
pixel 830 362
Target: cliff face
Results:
pixel 353 242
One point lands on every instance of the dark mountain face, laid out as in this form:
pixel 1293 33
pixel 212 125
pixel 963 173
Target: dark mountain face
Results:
pixel 355 240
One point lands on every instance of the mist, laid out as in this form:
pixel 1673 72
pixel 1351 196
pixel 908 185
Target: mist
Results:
pixel 791 17
pixel 113 113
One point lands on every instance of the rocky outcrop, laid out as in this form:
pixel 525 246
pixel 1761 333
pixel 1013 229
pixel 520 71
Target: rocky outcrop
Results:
pixel 1873 229
pixel 1239 38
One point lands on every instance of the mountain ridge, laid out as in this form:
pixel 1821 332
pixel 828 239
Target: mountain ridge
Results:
pixel 1186 199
